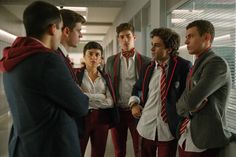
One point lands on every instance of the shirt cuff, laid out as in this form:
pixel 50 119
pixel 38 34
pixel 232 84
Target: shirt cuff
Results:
pixel 134 99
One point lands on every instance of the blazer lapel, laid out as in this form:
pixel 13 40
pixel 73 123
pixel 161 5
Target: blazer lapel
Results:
pixel 202 60
pixel 146 80
pixel 171 71
pixel 138 64
pixel 116 71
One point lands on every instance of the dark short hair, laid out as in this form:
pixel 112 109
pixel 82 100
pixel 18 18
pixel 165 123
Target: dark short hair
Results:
pixel 38 16
pixel 169 37
pixel 124 27
pixel 92 45
pixel 203 26
pixel 70 18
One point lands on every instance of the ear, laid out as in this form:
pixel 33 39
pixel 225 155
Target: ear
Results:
pixel 52 29
pixel 66 31
pixel 207 37
pixel 169 50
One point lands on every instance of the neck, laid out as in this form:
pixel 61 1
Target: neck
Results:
pixel 92 70
pixel 163 60
pixel 46 41
pixel 202 52
pixel 128 49
pixel 66 46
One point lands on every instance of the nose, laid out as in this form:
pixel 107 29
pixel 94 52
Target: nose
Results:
pixel 94 57
pixel 186 41
pixel 125 39
pixel 152 48
pixel 80 35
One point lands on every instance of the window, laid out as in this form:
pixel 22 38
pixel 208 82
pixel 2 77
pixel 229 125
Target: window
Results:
pixel 222 15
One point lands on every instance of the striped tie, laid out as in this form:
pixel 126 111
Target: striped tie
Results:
pixel 163 93
pixel 183 126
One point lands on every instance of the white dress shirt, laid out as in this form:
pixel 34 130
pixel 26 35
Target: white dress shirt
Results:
pixel 189 145
pixel 127 78
pixel 97 91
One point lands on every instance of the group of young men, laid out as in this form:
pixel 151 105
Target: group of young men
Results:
pixel 165 102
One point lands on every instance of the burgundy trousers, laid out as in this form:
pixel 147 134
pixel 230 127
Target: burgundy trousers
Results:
pixel 96 128
pixel 119 134
pixel 208 153
pixel 150 148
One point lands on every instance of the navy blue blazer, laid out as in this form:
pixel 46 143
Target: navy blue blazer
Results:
pixel 111 112
pixel 176 81
pixel 80 120
pixel 44 100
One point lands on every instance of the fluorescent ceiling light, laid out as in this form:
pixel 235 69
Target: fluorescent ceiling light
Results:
pixel 223 37
pixel 82 9
pixel 7 37
pixel 185 11
pixel 177 20
pixel 92 37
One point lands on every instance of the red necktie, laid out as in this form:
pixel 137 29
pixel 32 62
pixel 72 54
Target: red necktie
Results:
pixel 183 126
pixel 163 93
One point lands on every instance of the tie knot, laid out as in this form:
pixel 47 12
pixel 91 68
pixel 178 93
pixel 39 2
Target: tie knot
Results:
pixel 163 65
pixel 128 54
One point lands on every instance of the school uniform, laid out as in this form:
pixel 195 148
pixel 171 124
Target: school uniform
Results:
pixel 43 100
pixel 209 83
pixel 98 121
pixel 124 72
pixel 157 133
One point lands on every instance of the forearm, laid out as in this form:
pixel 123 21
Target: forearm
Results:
pixel 99 100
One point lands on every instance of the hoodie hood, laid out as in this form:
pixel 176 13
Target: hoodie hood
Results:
pixel 22 48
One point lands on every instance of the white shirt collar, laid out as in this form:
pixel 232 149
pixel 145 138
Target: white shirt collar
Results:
pixel 63 50
pixel 166 62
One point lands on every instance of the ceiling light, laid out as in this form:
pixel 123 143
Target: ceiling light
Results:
pixel 177 20
pixel 77 9
pixel 185 11
pixel 7 37
pixel 223 37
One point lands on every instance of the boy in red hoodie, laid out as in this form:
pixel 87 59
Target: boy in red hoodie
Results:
pixel 42 96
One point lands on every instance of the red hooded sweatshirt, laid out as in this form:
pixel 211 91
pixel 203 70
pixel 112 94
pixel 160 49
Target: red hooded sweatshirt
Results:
pixel 21 48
